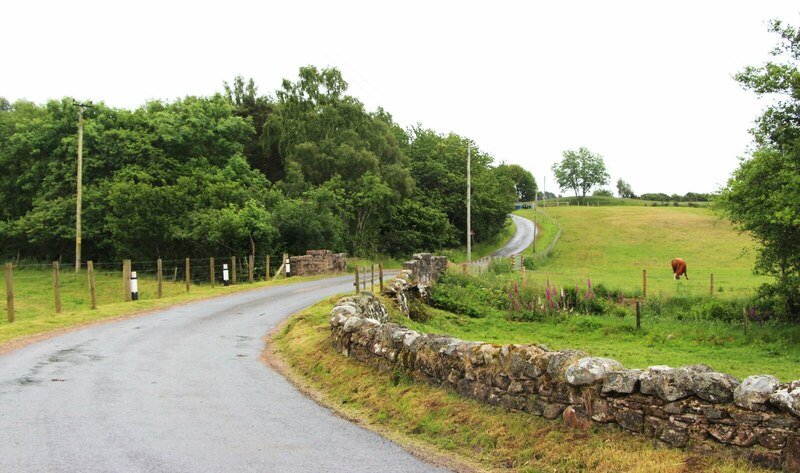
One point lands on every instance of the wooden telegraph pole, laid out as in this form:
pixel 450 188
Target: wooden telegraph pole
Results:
pixel 469 204
pixel 81 107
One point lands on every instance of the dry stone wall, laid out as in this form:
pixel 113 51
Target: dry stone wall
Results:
pixel 415 280
pixel 318 262
pixel 691 407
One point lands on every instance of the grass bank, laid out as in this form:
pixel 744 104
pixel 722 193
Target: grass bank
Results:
pixel 435 420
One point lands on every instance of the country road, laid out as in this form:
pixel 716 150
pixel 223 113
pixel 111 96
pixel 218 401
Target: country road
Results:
pixel 179 390
pixel 522 239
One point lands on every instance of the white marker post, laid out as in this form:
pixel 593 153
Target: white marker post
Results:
pixel 288 268
pixel 134 287
pixel 226 280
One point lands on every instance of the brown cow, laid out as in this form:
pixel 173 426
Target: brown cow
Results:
pixel 679 268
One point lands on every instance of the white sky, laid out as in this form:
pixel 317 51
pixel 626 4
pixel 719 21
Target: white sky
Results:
pixel 645 84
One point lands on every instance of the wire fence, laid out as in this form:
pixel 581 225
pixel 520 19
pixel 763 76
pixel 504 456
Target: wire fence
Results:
pixel 35 289
pixel 629 282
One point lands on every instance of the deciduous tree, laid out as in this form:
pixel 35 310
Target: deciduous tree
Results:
pixel 580 170
pixel 763 195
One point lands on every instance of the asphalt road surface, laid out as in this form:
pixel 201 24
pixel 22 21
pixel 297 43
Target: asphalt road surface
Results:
pixel 179 390
pixel 522 238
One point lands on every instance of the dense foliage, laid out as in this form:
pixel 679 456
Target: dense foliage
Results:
pixel 241 173
pixel 763 195
pixel 688 197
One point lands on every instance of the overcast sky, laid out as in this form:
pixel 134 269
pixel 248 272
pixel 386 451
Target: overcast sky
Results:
pixel 645 84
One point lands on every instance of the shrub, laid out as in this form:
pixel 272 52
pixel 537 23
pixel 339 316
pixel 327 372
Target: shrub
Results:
pixel 417 310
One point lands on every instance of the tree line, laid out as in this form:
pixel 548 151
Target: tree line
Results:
pixel 242 173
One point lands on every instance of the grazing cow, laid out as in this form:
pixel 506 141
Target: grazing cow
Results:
pixel 679 268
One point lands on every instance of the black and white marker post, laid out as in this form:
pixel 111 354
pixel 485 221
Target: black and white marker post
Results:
pixel 288 268
pixel 134 287
pixel 226 280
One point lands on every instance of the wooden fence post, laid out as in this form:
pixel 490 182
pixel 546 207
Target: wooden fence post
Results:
pixel 212 277
pixel 644 283
pixel 233 270
pixel 92 290
pixel 266 272
pixel 380 275
pixel 638 315
pixel 711 289
pixel 188 274
pixel 364 280
pixel 251 262
pixel 464 268
pixel 126 279
pixel 356 283
pixel 372 280
pixel 10 291
pixel 56 287
pixel 159 278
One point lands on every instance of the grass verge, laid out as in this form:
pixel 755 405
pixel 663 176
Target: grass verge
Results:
pixel 441 423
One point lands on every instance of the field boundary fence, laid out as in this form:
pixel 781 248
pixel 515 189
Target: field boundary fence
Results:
pixel 30 287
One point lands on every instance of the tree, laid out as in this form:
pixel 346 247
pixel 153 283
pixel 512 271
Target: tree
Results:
pixel 524 183
pixel 763 194
pixel 256 108
pixel 624 190
pixel 580 171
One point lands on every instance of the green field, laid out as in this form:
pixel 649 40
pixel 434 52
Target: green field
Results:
pixel 683 322
pixel 613 245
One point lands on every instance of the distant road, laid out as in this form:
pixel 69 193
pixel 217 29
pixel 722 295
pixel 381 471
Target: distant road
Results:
pixel 179 390
pixel 522 239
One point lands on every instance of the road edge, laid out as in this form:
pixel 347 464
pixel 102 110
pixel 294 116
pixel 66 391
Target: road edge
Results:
pixel 277 363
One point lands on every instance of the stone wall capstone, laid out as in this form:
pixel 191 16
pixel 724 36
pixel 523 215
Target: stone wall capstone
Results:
pixel 690 407
pixel 318 262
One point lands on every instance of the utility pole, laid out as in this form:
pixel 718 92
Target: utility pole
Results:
pixel 469 204
pixel 535 211
pixel 81 107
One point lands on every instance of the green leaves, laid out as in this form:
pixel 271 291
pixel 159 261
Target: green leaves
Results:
pixel 239 172
pixel 763 195
pixel 580 170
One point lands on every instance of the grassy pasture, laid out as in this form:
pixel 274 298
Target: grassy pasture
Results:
pixel 612 245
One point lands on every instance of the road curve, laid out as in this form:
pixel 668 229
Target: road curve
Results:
pixel 522 239
pixel 179 390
